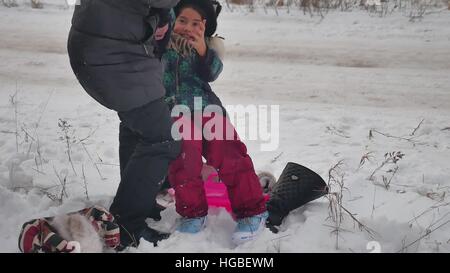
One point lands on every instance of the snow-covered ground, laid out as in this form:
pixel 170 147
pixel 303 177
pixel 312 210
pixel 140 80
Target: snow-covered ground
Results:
pixel 348 85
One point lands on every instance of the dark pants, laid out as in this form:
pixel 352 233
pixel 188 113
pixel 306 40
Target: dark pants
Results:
pixel 146 148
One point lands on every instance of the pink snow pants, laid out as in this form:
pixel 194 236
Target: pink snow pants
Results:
pixel 228 156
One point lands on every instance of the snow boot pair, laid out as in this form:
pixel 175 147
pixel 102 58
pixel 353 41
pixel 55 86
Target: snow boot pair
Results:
pixel 296 186
pixel 246 230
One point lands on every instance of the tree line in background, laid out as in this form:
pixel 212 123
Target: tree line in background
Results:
pixel 414 9
pixel 36 4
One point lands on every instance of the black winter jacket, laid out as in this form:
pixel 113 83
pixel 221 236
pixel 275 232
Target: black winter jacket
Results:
pixel 112 50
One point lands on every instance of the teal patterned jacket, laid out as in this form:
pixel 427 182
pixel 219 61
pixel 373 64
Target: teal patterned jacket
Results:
pixel 187 76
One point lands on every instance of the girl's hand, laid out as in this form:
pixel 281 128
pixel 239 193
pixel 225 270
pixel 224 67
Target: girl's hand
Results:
pixel 198 39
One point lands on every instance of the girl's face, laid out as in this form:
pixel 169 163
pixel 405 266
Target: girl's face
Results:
pixel 189 22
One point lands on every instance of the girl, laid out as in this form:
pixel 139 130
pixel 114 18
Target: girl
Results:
pixel 191 61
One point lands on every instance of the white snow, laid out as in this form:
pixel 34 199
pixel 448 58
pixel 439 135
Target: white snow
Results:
pixel 335 80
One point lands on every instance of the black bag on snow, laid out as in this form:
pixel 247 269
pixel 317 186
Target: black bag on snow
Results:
pixel 296 186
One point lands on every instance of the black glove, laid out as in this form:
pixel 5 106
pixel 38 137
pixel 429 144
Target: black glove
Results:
pixel 160 43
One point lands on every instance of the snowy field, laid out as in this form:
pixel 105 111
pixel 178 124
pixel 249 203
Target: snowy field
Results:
pixel 351 88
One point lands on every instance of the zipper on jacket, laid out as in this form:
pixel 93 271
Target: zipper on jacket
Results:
pixel 146 50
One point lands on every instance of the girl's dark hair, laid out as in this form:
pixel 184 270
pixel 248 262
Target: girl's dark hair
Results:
pixel 196 8
pixel 208 9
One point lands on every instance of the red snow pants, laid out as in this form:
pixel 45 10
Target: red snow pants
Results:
pixel 228 156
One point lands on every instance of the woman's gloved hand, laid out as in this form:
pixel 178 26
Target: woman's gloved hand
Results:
pixel 162 31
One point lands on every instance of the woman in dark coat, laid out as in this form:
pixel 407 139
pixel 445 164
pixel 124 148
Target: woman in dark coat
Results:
pixel 114 55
